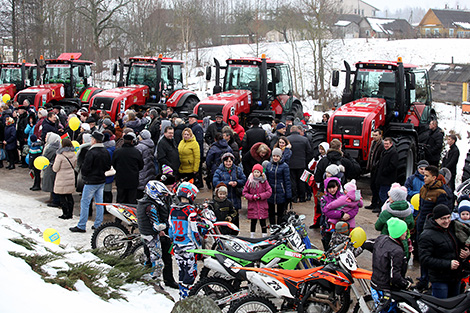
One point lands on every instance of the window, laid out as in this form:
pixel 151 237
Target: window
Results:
pixel 421 92
pixel 451 32
pixel 443 87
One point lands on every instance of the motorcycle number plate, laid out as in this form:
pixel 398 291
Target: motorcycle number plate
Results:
pixel 348 260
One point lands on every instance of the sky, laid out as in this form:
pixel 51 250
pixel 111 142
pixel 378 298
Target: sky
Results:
pixel 427 4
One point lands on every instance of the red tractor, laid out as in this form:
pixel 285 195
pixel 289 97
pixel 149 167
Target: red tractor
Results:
pixel 252 87
pixel 65 82
pixel 16 76
pixel 149 82
pixel 392 96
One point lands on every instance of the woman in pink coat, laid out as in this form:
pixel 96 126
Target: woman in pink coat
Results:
pixel 257 191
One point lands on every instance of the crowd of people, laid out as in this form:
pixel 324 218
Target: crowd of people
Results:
pixel 270 165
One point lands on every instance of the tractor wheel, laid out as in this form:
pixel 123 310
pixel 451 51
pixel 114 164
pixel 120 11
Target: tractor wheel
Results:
pixel 316 137
pixel 187 107
pixel 297 110
pixel 406 148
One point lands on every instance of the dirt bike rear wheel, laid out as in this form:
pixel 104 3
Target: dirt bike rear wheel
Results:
pixel 108 238
pixel 213 287
pixel 252 304
pixel 370 304
pixel 139 254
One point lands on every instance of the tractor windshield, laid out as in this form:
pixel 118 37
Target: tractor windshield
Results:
pixel 60 73
pixel 243 77
pixel 10 75
pixel 143 74
pixel 373 83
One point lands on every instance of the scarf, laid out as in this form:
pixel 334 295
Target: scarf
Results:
pixel 254 181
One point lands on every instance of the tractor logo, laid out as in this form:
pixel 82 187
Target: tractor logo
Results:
pixel 53 93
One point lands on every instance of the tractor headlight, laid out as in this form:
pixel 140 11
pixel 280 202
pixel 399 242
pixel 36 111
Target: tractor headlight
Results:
pixel 356 143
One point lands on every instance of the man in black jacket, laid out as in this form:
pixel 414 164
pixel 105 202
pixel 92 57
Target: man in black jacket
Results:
pixel 96 163
pixel 167 151
pixel 376 149
pixel 451 158
pixel 23 119
pixel 386 171
pixel 302 153
pixel 253 135
pixel 433 139
pixel 127 161
pixel 49 125
pixel 215 128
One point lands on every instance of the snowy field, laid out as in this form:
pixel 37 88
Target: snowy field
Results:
pixel 22 290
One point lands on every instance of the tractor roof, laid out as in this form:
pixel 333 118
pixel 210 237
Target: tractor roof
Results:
pixel 69 58
pixel 379 64
pixel 13 64
pixel 154 60
pixel 252 61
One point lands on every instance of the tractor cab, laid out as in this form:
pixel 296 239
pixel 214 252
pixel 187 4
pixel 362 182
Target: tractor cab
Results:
pixel 16 76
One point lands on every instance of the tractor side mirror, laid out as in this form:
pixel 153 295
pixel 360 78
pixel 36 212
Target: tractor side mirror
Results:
pixel 412 81
pixel 170 75
pixel 115 69
pixel 81 71
pixel 208 73
pixel 335 78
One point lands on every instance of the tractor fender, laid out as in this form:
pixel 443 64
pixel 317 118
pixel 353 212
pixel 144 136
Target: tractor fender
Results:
pixel 179 97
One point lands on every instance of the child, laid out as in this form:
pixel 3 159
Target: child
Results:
pixel 184 233
pixel 332 192
pixel 334 170
pixel 35 150
pixel 278 175
pixel 463 215
pixel 257 191
pixel 223 207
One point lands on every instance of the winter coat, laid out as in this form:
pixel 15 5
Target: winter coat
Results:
pixel 137 125
pixel 414 183
pixel 212 130
pixel 96 163
pixel 252 136
pixel 450 160
pixel 333 157
pixel 399 209
pixel 278 175
pixel 236 150
pixel 430 196
pixel 28 131
pixel 286 155
pixel 301 151
pixel 10 137
pixel 376 150
pixel 21 125
pixel 387 167
pixel 198 133
pixel 65 171
pixel 50 150
pixel 216 150
pixel 251 158
pixel 437 248
pixel 148 172
pixel 434 141
pixel 224 209
pixel 257 209
pixel 179 133
pixel 190 155
pixel 347 203
pixel 238 129
pixel 389 264
pixel 167 153
pixel 110 146
pixel 127 161
pixel 47 127
pixel 224 175
pixel 146 218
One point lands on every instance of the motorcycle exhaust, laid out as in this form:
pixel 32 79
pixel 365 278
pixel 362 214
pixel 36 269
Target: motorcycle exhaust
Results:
pixel 405 307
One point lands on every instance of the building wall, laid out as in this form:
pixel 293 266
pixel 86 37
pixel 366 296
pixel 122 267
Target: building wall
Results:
pixel 357 7
pixel 447 92
pixel 431 26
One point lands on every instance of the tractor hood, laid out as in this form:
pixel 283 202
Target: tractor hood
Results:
pixel 228 102
pixel 362 107
pixel 119 99
pixel 8 89
pixel 41 94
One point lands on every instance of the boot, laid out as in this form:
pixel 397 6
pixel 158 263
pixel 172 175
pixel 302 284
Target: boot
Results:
pixel 1 164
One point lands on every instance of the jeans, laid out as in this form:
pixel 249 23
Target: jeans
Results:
pixel 90 192
pixel 445 290
pixel 383 194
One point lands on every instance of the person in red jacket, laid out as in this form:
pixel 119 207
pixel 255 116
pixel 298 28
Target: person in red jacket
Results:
pixel 234 123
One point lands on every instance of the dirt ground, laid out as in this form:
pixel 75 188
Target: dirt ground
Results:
pixel 19 181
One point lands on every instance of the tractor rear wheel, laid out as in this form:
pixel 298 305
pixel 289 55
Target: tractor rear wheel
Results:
pixel 406 148
pixel 187 107
pixel 297 110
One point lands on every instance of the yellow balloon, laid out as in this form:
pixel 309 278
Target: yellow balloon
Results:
pixel 5 98
pixel 51 235
pixel 358 236
pixel 41 163
pixel 415 201
pixel 76 145
pixel 74 123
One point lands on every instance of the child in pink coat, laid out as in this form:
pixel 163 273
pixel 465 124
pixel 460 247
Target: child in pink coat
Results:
pixel 257 191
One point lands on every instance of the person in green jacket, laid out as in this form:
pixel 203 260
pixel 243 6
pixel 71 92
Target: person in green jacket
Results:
pixel 396 206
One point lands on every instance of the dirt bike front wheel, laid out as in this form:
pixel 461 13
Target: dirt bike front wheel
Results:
pixel 112 238
pixel 213 287
pixel 252 304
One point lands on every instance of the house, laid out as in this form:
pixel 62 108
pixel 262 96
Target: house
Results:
pixel 445 23
pixel 374 27
pixel 347 26
pixel 450 82
pixel 356 7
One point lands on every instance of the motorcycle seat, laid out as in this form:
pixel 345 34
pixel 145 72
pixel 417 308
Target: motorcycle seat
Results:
pixel 249 256
pixel 446 303
pixel 257 240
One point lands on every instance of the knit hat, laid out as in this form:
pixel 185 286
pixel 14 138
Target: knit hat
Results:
pixel 258 167
pixel 145 134
pixel 98 136
pixel 396 227
pixel 166 170
pixel 227 155
pixel 86 138
pixel 350 186
pixel 397 192
pixel 440 210
pixel 42 113
pixel 107 122
pixel 85 126
pixel 277 151
pixel 464 205
pixel 333 169
pixel 422 163
pixel 280 125
pixel 34 138
pixel 221 187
